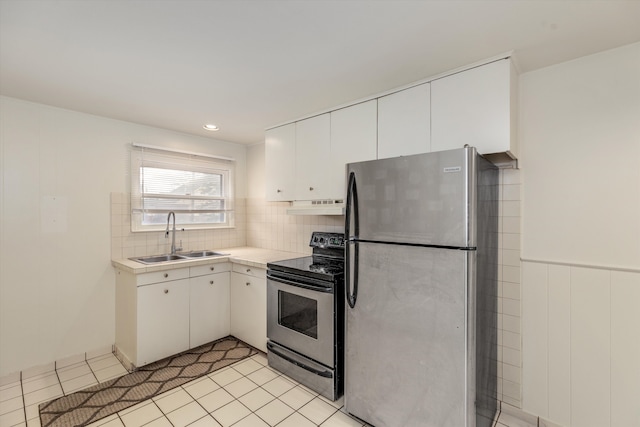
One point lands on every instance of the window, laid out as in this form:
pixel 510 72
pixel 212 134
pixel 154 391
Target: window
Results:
pixel 197 188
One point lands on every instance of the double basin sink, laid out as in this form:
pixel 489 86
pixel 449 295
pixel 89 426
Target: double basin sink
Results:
pixel 155 259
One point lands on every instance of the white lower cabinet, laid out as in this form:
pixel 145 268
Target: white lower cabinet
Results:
pixel 163 320
pixel 249 305
pixel 166 312
pixel 208 308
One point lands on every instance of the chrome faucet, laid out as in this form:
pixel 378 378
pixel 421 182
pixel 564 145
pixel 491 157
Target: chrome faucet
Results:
pixel 173 236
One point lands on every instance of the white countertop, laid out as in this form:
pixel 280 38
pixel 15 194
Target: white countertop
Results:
pixel 254 257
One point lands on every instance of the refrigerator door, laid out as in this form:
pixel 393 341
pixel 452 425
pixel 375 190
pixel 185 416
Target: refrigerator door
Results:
pixel 407 358
pixel 425 199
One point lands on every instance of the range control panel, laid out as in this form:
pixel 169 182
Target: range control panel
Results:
pixel 321 239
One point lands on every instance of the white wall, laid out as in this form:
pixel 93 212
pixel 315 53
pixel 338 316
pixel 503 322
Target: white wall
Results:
pixel 580 156
pixel 58 168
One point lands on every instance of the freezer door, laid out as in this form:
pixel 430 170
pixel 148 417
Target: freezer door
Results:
pixel 407 361
pixel 424 199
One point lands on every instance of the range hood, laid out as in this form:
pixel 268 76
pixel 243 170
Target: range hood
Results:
pixel 316 207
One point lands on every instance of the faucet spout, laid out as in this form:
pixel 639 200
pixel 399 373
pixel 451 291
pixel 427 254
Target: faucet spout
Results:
pixel 173 234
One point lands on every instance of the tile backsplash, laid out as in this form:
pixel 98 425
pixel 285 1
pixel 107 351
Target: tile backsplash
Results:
pixel 269 226
pixel 125 244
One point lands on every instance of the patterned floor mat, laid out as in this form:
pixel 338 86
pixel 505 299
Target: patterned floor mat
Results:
pixel 89 405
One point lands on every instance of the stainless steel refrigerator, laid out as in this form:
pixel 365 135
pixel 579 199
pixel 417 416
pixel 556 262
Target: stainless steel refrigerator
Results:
pixel 421 290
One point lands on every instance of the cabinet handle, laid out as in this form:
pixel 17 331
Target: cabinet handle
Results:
pixel 248 270
pixel 211 282
pixel 166 291
pixel 248 283
pixel 212 268
pixel 310 188
pixel 278 191
pixel 166 275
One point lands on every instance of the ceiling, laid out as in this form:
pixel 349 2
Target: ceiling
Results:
pixel 249 65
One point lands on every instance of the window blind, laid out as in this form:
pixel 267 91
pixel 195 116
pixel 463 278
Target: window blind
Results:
pixel 199 190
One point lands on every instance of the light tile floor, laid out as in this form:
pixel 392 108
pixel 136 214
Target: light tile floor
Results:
pixel 246 394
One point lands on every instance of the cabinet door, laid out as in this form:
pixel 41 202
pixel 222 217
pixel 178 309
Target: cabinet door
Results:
pixel 473 107
pixel 249 309
pixel 163 320
pixel 404 122
pixel 280 157
pixel 208 308
pixel 353 139
pixel 313 138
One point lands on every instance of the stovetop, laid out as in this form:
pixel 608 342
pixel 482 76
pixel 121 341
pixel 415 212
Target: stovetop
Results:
pixel 326 263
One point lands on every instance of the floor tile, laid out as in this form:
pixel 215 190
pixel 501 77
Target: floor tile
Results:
pixel 43 394
pixel 40 381
pixel 74 371
pixel 11 405
pixel 12 418
pixel 512 421
pixel 296 420
pixel 170 401
pixel 9 380
pixel 274 412
pixel 71 360
pixel 38 370
pixel 110 421
pixel 240 387
pixel 262 376
pixel 256 399
pixel 247 366
pixel 339 403
pixel 201 387
pixel 10 393
pixel 34 422
pixel 251 421
pixel 225 377
pixel 141 415
pixel 215 400
pixel 317 410
pixel 187 414
pixel 297 397
pixel 79 383
pixel 110 373
pixel 159 422
pixel 103 362
pixel 207 421
pixel 261 359
pixel 32 411
pixel 231 413
pixel 340 419
pixel 278 386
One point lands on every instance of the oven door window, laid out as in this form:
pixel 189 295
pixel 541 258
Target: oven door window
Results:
pixel 298 313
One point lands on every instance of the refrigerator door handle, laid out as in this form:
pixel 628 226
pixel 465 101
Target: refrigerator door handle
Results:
pixel 351 210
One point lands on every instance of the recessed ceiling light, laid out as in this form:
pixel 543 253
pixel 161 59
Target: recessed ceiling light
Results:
pixel 211 127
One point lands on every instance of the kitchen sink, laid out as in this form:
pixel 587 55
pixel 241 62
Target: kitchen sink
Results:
pixel 201 254
pixel 155 259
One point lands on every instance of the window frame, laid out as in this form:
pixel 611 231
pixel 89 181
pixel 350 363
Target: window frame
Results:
pixel 143 156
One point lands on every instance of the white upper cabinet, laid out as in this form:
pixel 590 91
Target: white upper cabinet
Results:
pixel 404 122
pixel 353 139
pixel 280 160
pixel 475 107
pixel 313 138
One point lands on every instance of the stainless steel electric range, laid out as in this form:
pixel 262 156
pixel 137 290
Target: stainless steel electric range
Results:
pixel 305 315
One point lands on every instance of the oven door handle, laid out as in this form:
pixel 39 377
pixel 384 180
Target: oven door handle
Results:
pixel 311 287
pixel 274 350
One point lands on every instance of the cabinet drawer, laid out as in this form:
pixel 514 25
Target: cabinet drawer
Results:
pixel 162 276
pixel 201 270
pixel 260 273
